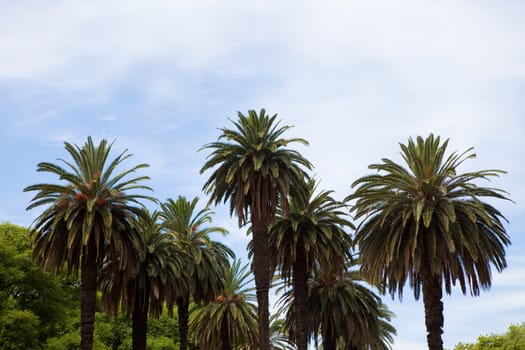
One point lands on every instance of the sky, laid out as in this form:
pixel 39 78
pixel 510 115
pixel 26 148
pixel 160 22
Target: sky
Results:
pixel 354 78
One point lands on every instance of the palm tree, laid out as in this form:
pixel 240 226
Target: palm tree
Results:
pixel 207 258
pixel 255 172
pixel 89 218
pixel 159 276
pixel 310 234
pixel 343 311
pixel 424 222
pixel 279 339
pixel 230 321
pixel 347 314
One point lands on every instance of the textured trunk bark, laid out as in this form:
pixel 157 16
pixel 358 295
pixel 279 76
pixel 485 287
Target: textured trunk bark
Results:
pixel 140 321
pixel 183 312
pixel 300 287
pixel 432 299
pixel 261 271
pixel 88 296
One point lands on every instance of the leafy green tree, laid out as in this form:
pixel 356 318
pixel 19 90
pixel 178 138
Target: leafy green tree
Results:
pixel 19 330
pixel 159 276
pixel 88 218
pixel 39 310
pixel 310 234
pixel 230 321
pixel 425 223
pixel 14 262
pixel 166 326
pixel 71 341
pixel 24 286
pixel 513 339
pixel 186 225
pixel 254 171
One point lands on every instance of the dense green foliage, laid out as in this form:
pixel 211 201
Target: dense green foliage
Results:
pixel 513 339
pixel 34 305
pixel 40 311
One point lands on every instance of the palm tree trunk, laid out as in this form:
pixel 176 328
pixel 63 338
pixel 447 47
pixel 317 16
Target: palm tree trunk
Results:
pixel 432 295
pixel 88 295
pixel 183 312
pixel 261 271
pixel 300 289
pixel 140 321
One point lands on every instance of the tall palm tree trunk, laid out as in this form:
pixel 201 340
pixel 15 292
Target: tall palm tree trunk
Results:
pixel 261 271
pixel 88 295
pixel 432 300
pixel 300 286
pixel 140 321
pixel 183 305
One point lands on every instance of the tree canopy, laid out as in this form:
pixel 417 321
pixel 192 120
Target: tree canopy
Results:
pixel 512 339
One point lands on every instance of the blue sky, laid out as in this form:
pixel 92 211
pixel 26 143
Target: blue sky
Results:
pixel 355 78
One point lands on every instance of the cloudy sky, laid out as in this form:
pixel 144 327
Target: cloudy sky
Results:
pixel 355 78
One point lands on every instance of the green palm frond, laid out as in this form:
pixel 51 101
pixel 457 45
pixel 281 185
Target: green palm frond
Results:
pixel 425 212
pixel 251 166
pixel 317 221
pixel 90 204
pixel 159 276
pixel 189 229
pixel 231 317
pixel 343 309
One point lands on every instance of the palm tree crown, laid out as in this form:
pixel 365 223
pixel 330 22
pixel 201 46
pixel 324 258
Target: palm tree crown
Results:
pixel 254 170
pixel 88 219
pixel 347 313
pixel 314 226
pixel 425 222
pixel 342 311
pixel 187 226
pixel 94 206
pixel 230 321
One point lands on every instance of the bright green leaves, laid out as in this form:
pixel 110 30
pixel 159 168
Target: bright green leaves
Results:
pixel 418 210
pixel 258 160
pixel 427 215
